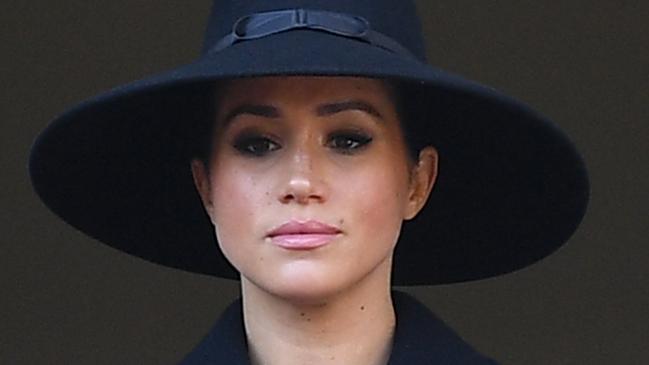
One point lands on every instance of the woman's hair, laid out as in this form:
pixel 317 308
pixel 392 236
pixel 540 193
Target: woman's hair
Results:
pixel 405 104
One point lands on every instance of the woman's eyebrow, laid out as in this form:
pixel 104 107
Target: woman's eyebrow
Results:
pixel 323 110
pixel 260 110
pixel 333 108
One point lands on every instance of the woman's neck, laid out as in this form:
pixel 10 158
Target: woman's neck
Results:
pixel 354 326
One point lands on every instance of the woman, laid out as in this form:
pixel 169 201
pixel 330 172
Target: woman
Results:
pixel 312 154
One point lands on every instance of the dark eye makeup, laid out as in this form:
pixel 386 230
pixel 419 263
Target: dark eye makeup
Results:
pixel 255 145
pixel 346 142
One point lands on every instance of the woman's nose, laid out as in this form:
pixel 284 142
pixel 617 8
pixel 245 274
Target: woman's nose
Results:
pixel 304 181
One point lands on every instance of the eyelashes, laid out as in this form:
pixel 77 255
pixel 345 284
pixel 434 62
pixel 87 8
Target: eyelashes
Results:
pixel 260 145
pixel 349 142
pixel 255 145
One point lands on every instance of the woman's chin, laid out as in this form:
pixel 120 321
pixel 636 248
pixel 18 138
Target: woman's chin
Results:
pixel 306 285
pixel 315 281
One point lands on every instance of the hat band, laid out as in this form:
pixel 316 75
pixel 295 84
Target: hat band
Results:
pixel 259 25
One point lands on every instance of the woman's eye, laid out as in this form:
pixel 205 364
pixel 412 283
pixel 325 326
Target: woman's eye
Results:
pixel 255 146
pixel 348 142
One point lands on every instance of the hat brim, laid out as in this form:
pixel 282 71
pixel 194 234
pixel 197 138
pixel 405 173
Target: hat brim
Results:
pixel 511 188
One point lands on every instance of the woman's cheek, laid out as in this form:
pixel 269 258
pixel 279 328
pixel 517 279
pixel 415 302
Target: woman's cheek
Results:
pixel 236 201
pixel 378 204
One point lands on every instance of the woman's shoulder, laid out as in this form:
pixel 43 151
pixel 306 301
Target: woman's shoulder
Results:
pixel 422 338
pixel 225 343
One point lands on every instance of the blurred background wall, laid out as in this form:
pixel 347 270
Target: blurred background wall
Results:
pixel 67 299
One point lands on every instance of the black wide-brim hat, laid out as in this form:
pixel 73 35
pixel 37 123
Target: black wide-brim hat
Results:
pixel 511 187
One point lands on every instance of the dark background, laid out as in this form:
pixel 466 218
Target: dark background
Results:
pixel 70 300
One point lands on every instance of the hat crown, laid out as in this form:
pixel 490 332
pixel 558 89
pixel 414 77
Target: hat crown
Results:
pixel 396 19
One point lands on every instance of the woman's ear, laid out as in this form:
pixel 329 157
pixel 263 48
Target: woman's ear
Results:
pixel 422 180
pixel 202 183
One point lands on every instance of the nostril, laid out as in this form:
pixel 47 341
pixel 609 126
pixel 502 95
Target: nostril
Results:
pixel 288 197
pixel 301 198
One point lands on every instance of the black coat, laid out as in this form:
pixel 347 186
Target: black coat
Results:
pixel 419 338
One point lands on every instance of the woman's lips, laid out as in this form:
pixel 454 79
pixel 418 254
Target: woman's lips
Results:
pixel 302 241
pixel 305 235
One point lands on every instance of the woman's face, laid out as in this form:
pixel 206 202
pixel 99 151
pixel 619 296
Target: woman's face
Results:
pixel 304 149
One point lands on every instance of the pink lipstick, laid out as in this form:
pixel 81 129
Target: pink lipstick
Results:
pixel 306 235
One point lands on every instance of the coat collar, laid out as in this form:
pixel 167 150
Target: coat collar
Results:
pixel 420 338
